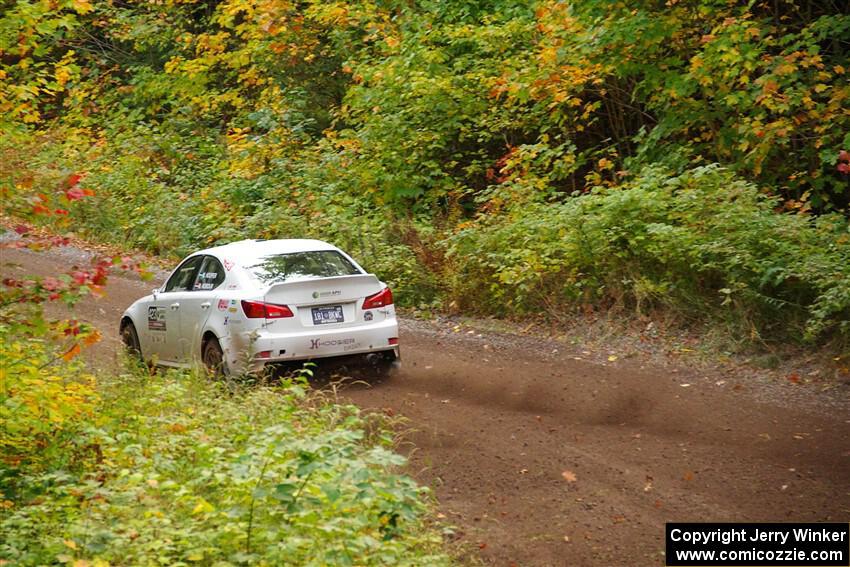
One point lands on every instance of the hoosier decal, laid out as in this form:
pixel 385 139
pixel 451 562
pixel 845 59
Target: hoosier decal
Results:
pixel 319 343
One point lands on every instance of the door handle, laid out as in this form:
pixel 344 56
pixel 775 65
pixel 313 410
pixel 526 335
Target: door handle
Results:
pixel 175 306
pixel 205 305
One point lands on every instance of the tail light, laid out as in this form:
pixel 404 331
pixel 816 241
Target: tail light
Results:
pixel 258 309
pixel 380 299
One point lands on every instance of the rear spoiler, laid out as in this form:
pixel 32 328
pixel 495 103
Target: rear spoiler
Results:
pixel 323 290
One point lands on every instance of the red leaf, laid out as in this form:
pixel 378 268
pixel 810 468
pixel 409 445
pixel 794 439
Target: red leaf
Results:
pixel 843 168
pixel 843 155
pixel 74 193
pixel 794 378
pixel 73 179
pixel 80 277
pixel 51 284
pixel 22 229
pixel 61 212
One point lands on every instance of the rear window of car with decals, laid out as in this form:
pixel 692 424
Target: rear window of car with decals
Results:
pixel 280 268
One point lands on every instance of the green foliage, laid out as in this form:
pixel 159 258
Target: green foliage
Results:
pixel 702 243
pixel 182 470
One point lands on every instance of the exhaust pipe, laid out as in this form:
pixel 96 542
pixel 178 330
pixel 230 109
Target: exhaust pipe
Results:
pixel 373 358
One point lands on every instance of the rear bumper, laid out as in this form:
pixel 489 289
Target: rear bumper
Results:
pixel 314 344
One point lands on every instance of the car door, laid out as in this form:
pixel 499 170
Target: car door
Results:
pixel 196 306
pixel 164 312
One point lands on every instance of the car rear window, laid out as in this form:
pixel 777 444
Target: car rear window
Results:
pixel 280 268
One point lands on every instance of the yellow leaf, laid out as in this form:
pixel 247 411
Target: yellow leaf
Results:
pixel 63 75
pixel 83 6
pixel 202 506
pixel 70 543
pixel 569 476
pixel 612 358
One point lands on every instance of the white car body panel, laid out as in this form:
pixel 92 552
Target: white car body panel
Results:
pixel 171 325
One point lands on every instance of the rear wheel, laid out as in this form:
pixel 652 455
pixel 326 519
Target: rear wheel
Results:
pixel 213 357
pixel 130 338
pixel 384 364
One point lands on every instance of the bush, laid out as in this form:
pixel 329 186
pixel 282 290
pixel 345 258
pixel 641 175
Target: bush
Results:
pixel 44 406
pixel 189 472
pixel 705 244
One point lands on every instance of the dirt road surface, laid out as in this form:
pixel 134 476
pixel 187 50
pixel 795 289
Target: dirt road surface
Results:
pixel 541 459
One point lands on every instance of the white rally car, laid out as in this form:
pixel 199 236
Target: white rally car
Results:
pixel 238 307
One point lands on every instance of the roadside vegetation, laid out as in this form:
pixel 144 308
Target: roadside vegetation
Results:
pixel 502 157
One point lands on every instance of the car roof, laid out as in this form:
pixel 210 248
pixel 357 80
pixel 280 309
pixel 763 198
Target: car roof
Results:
pixel 259 248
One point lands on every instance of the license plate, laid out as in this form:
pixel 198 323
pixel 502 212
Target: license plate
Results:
pixel 325 315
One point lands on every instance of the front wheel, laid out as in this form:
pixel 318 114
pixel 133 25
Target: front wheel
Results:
pixel 130 338
pixel 213 358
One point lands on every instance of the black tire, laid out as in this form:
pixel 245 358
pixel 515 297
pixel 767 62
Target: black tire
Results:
pixel 213 358
pixel 130 338
pixel 385 364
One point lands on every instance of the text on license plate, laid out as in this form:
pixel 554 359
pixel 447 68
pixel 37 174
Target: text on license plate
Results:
pixel 325 315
